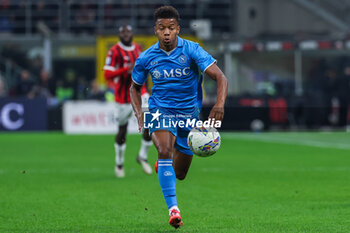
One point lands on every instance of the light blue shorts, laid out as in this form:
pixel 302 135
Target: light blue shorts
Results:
pixel 170 120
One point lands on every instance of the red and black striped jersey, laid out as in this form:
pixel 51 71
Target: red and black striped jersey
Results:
pixel 118 61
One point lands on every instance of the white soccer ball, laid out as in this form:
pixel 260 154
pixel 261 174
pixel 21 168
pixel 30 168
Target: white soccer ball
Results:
pixel 204 141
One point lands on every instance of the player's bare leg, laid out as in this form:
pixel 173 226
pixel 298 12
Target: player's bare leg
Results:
pixel 120 138
pixel 146 143
pixel 146 136
pixel 181 163
pixel 120 146
pixel 164 143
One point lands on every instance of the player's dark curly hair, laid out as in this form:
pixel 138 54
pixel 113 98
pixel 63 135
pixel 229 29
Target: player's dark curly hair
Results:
pixel 166 12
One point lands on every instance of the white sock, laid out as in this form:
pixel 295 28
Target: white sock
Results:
pixel 145 145
pixel 174 207
pixel 119 153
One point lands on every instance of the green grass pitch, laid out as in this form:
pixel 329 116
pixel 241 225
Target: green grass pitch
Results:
pixel 268 182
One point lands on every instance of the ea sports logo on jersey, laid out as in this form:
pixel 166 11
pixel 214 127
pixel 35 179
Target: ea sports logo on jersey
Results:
pixel 156 74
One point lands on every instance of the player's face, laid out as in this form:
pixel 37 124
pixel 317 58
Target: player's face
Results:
pixel 125 36
pixel 167 31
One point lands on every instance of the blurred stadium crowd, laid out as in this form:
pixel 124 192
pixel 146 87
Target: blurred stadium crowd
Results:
pixel 31 80
pixel 22 17
pixel 254 75
pixel 91 16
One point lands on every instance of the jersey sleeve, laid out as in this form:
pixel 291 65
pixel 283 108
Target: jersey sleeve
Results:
pixel 139 73
pixel 201 57
pixel 111 68
pixel 111 61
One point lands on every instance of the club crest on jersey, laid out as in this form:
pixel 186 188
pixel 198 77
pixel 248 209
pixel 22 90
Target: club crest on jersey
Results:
pixel 182 59
pixel 156 74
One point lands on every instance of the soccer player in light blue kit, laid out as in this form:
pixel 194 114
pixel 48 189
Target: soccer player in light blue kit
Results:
pixel 176 67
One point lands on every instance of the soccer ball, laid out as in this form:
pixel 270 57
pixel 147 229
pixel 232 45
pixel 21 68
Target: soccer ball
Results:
pixel 204 141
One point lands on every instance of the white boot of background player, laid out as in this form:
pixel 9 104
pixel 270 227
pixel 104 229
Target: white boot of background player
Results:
pixel 142 156
pixel 119 160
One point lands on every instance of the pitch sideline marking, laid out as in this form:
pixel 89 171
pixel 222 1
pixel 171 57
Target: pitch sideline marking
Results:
pixel 306 142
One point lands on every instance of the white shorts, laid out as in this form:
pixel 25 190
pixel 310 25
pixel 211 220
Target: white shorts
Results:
pixel 125 111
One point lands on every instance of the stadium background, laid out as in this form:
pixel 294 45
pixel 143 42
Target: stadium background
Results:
pixel 286 61
pixel 288 67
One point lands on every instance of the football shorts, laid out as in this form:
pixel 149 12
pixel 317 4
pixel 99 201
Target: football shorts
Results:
pixel 170 120
pixel 124 111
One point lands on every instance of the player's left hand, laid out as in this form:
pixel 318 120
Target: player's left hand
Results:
pixel 217 113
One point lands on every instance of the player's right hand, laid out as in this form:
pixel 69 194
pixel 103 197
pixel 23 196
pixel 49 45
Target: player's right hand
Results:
pixel 216 113
pixel 140 121
pixel 131 67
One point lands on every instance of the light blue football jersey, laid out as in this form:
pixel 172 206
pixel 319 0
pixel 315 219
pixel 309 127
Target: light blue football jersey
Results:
pixel 176 75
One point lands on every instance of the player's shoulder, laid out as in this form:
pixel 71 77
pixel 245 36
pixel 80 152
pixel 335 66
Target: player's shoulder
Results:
pixel 137 45
pixel 188 42
pixel 189 45
pixel 147 54
pixel 114 48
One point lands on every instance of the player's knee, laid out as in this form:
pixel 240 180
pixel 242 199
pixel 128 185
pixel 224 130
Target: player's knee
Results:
pixel 122 130
pixel 147 136
pixel 121 137
pixel 164 152
pixel 120 140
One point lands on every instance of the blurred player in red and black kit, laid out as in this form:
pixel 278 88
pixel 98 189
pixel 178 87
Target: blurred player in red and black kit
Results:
pixel 118 68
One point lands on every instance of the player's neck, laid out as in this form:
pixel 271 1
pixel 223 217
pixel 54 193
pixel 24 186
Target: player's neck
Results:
pixel 126 47
pixel 126 44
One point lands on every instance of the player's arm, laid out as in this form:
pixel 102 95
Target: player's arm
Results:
pixel 110 72
pixel 216 74
pixel 208 65
pixel 139 76
pixel 135 95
